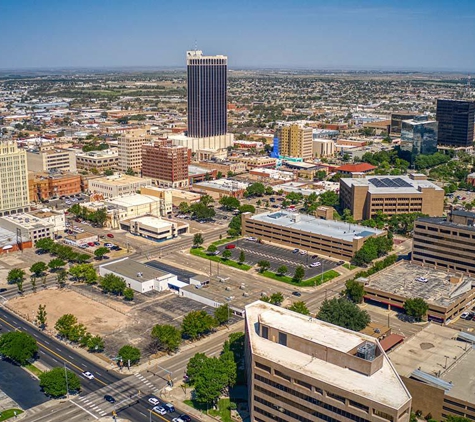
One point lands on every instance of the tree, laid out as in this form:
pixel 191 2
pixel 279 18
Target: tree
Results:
pixel 201 211
pixel 38 268
pixel 211 249
pixel 247 208
pixel 452 418
pixel 33 282
pixel 276 298
pixel 221 314
pixel 95 344
pixel 84 272
pixel 256 189
pixel 56 263
pixel 198 240
pixel 168 337
pixel 18 346
pixel 299 274
pixel 129 353
pixel 16 275
pixel 45 244
pixel 299 307
pixel 41 316
pixel 54 382
pixel 269 190
pixel 100 252
pixel 196 323
pixel 263 265
pixel 416 308
pixel 210 378
pixel 194 366
pixel 242 257
pixel 354 291
pixel 229 203
pixel 206 200
pixel 19 284
pixel 112 283
pixel 100 216
pixel 184 208
pixel 282 270
pixel 227 254
pixel 61 277
pixel 108 172
pixel 65 324
pixel 129 293
pixel 329 198
pixel 130 172
pixel 77 333
pixel 342 312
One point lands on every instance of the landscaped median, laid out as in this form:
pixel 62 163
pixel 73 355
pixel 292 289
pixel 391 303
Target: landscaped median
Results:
pixel 203 254
pixel 9 413
pixel 314 281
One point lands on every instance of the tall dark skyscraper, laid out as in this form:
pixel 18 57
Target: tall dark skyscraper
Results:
pixel 456 120
pixel 207 94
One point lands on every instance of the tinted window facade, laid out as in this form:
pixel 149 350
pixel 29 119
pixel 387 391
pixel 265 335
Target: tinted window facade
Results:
pixel 456 121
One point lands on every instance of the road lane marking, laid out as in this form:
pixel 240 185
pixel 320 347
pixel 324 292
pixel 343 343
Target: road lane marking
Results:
pixel 87 411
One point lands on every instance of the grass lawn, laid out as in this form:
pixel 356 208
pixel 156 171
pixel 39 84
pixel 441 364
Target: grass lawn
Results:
pixel 9 413
pixel 223 241
pixel 201 253
pixel 223 409
pixel 349 266
pixel 34 369
pixel 317 280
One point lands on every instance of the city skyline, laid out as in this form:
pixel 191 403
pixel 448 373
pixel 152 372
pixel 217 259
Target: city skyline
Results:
pixel 307 35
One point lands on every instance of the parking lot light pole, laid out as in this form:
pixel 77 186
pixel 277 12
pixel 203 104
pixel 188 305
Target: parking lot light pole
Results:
pixel 66 376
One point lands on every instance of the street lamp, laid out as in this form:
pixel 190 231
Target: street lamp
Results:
pixel 66 376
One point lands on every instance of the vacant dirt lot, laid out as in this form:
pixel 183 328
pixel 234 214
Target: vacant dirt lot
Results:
pixel 98 318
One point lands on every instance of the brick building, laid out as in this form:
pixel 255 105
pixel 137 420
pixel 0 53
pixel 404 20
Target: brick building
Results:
pixel 43 186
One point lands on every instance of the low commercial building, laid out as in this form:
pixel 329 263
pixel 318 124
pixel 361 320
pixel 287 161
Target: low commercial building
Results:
pixel 44 186
pixel 365 196
pixel 139 277
pixel 198 174
pixel 331 238
pixel 99 160
pixel 252 162
pixel 323 147
pixel 446 293
pixel 80 239
pixel 46 160
pixel 265 174
pixel 446 242
pixel 179 196
pixel 117 185
pixel 436 365
pixel 154 228
pixel 165 195
pixel 301 368
pixel 225 167
pixel 12 241
pixel 33 228
pixel 221 187
pixel 360 168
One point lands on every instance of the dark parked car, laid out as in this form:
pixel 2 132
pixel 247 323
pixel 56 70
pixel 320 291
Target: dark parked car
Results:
pixel 108 398
pixel 297 293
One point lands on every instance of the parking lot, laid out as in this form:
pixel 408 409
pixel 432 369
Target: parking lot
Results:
pixel 277 256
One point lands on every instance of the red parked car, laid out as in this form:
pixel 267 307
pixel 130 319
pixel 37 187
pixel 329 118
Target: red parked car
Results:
pixel 231 246
pixel 91 243
pixel 110 235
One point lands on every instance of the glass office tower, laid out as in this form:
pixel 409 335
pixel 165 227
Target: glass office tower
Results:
pixel 419 136
pixel 207 94
pixel 456 121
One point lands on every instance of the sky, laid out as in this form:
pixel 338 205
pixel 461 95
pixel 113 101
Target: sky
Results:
pixel 311 34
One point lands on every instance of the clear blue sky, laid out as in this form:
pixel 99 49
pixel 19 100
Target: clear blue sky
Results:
pixel 415 34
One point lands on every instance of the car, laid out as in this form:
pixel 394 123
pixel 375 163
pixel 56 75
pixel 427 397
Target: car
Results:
pixel 91 243
pixel 110 235
pixel 275 206
pixel 298 294
pixel 169 407
pixel 422 279
pixel 314 256
pixel 295 250
pixel 80 199
pixel 109 398
pixel 303 252
pixel 154 401
pixel 109 245
pixel 272 199
pixel 177 420
pixel 88 375
pixel 97 244
pixel 185 418
pixel 230 246
pixel 67 202
pixel 83 246
pixel 251 239
pixel 341 262
pixel 465 315
pixel 160 410
pixel 315 264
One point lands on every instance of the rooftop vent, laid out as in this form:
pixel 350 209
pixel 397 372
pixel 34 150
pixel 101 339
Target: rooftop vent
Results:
pixel 367 351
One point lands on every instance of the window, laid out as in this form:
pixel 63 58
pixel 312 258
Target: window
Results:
pixel 336 397
pixel 265 332
pixel 283 339
pixel 303 384
pixel 383 415
pixel 263 367
pixel 282 375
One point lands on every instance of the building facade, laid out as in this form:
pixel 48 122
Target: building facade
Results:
pixel 117 185
pixel 154 228
pixel 323 147
pixel 419 136
pixel 14 194
pixel 130 150
pixel 99 160
pixel 51 160
pixel 397 119
pixel 166 165
pixel 456 120
pixel 365 196
pixel 207 94
pixel 296 141
pixel 44 186
pixel 301 368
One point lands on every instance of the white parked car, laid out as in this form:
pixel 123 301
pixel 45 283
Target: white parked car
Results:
pixel 88 375
pixel 315 264
pixel 154 401
pixel 422 279
pixel 160 410
pixel 303 252
pixel 251 239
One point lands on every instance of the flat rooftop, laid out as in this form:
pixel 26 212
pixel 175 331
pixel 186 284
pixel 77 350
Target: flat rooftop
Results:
pixel 307 223
pixel 442 221
pixel 390 184
pixel 27 221
pixel 121 180
pixel 427 351
pixel 130 268
pixel 223 184
pixel 400 279
pixel 384 386
pixel 153 221
pixel 131 200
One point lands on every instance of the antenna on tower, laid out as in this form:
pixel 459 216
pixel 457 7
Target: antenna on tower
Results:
pixel 469 79
pixel 196 45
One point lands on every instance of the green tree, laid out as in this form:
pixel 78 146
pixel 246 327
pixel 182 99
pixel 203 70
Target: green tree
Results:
pixel 184 208
pixel 61 277
pixel 299 307
pixel 269 190
pixel 108 172
pixel 112 283
pixel 354 291
pixel 19 285
pixel 16 275
pixel 45 244
pixel 247 208
pixel 54 382
pixel 194 366
pixel 196 323
pixel 282 270
pixel 56 263
pixel 200 211
pixel 33 282
pixel 211 249
pixel 452 418
pixel 131 353
pixel 41 316
pixel 95 344
pixel 342 312
pixel 100 252
pixel 65 324
pixel 167 336
pixel 100 216
pixel 206 200
pixel 210 379
pixel 263 265
pixel 276 298
pixel 329 198
pixel 229 203
pixel 129 293
pixel 299 274
pixel 198 240
pixel 18 346
pixel 242 257
pixel 417 308
pixel 221 314
pixel 235 226
pixel 227 254
pixel 256 189
pixel 130 172
pixel 77 332
pixel 38 268
pixel 84 273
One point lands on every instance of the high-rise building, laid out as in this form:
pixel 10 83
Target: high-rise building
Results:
pixel 130 149
pixel 456 120
pixel 207 95
pixel 296 141
pixel 51 160
pixel 167 165
pixel 301 368
pixel 397 118
pixel 419 136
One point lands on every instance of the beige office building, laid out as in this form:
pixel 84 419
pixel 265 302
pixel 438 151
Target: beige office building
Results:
pixel 99 160
pixel 46 160
pixel 365 196
pixel 323 148
pixel 117 185
pixel 296 141
pixel 130 149
pixel 301 368
pixel 13 179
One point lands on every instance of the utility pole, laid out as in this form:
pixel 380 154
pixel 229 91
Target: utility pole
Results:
pixel 66 376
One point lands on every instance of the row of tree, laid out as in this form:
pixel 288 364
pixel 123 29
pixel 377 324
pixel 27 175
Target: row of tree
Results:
pixel 68 328
pixel 98 217
pixel 63 252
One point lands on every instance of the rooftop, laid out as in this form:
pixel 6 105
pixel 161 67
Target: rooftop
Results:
pixel 120 180
pixel 400 279
pixel 308 223
pixel 129 268
pixel 390 184
pixel 153 221
pixel 27 221
pixel 384 386
pixel 131 200
pixel 224 184
pixel 355 168
pixel 427 351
